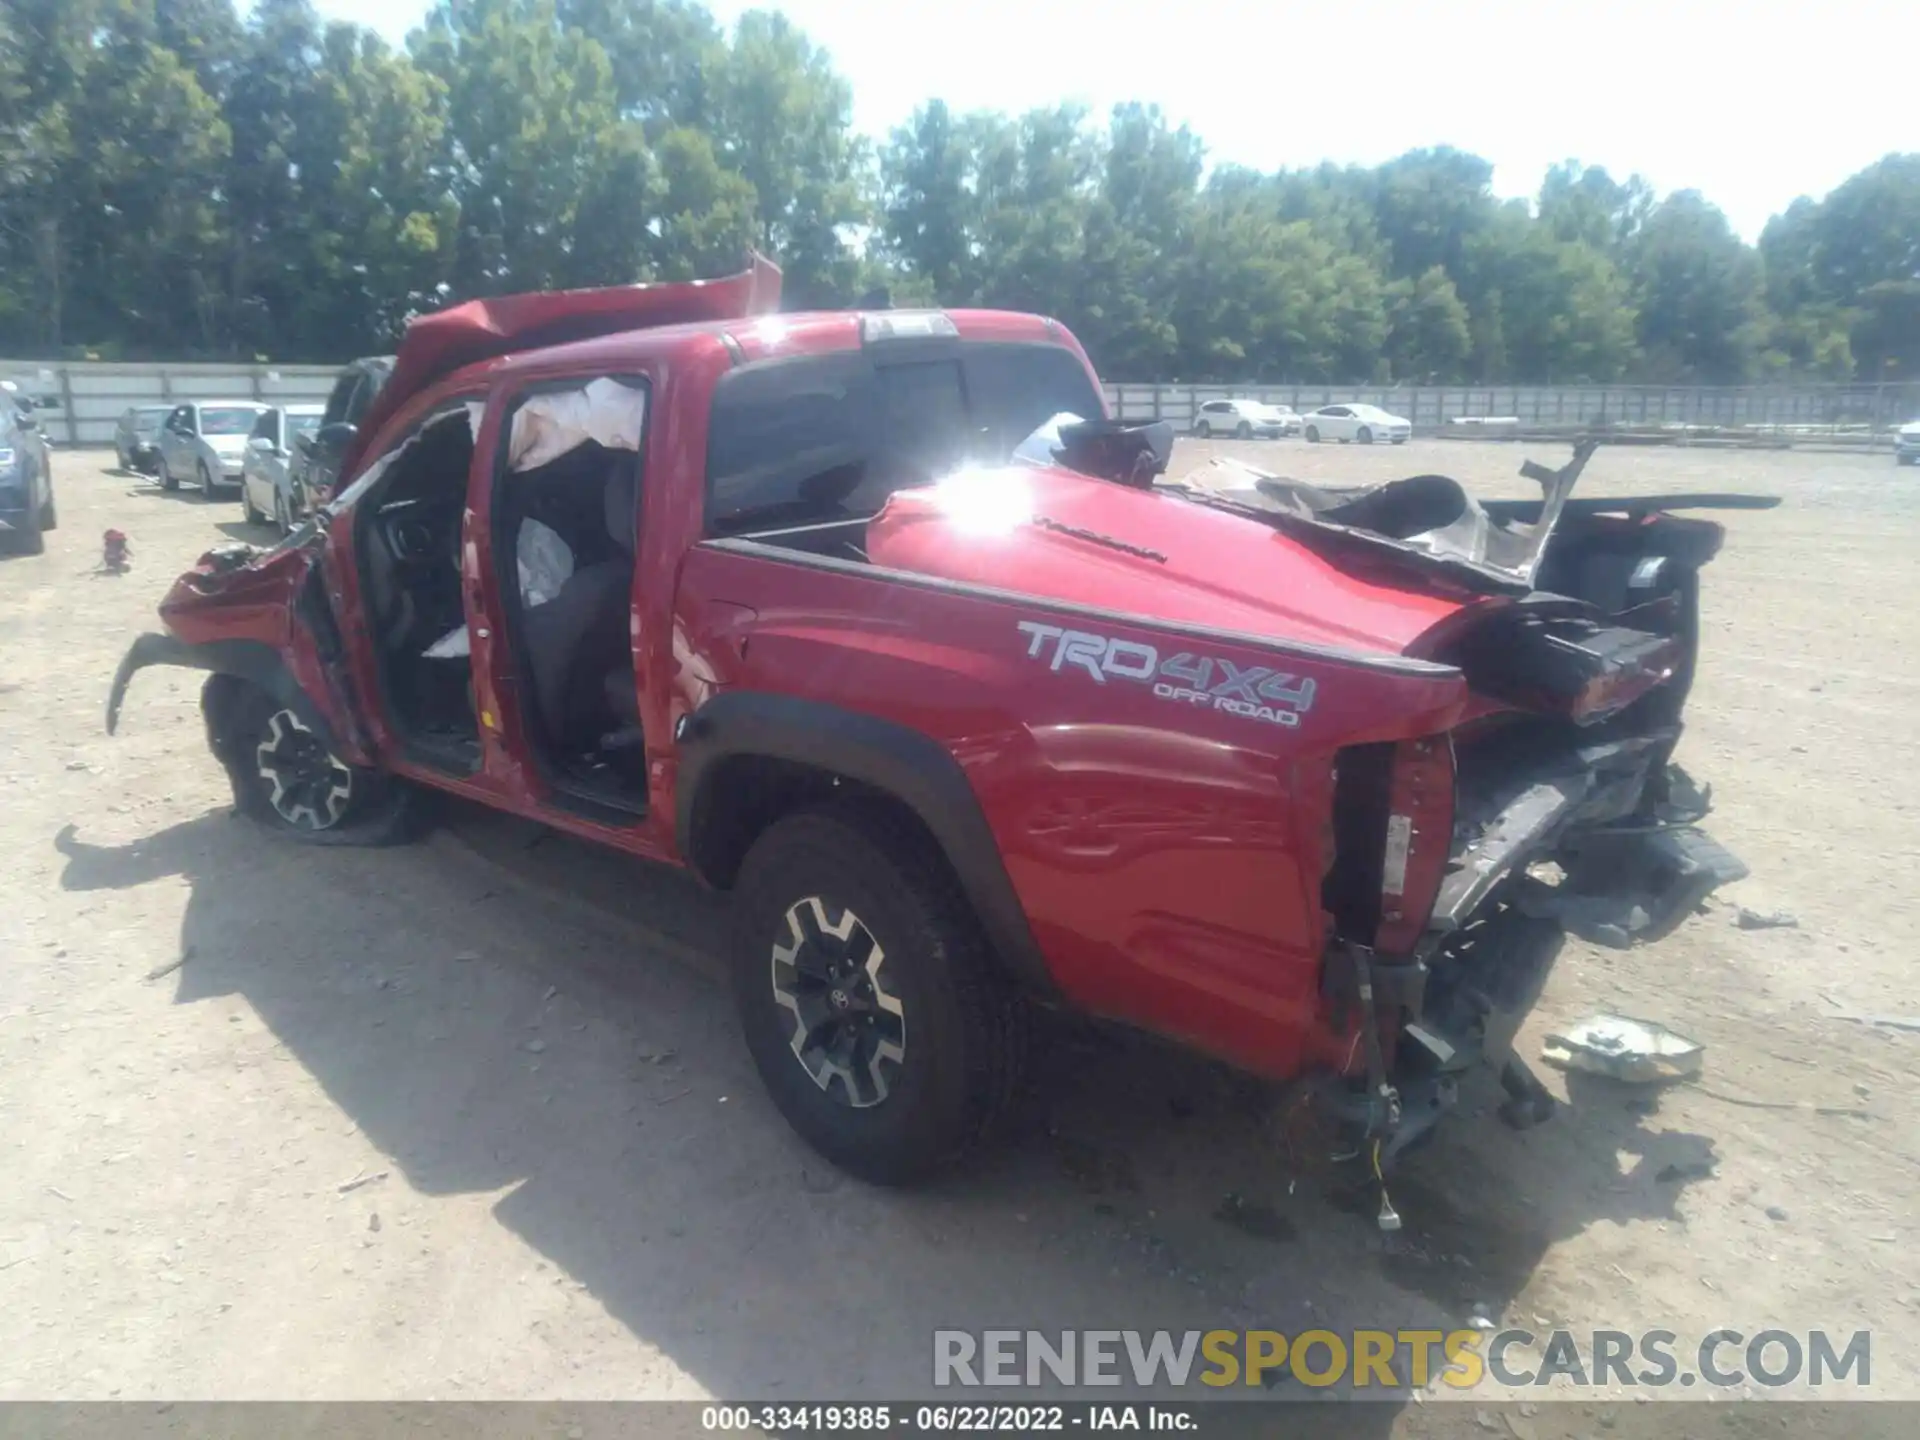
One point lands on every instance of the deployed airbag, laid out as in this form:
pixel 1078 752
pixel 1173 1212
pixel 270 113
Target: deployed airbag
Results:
pixel 548 426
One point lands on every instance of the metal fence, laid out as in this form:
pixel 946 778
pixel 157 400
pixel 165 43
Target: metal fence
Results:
pixel 82 401
pixel 1835 409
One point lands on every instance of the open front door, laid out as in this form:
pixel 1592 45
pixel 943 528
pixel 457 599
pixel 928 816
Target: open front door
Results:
pixel 551 590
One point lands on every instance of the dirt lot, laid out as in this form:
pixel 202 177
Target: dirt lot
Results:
pixel 470 1118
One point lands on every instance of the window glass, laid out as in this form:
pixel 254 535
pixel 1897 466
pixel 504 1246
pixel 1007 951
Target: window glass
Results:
pixel 227 420
pixel 830 437
pixel 341 398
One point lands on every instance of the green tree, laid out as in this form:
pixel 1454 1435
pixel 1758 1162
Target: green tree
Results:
pixel 1266 297
pixel 707 219
pixel 1697 290
pixel 535 134
pixel 664 55
pixel 929 210
pixel 1429 205
pixel 783 121
pixel 1428 332
pixel 1137 229
pixel 1586 204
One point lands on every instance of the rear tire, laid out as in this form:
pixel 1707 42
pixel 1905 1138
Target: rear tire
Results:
pixel 1203 430
pixel 871 1006
pixel 1313 435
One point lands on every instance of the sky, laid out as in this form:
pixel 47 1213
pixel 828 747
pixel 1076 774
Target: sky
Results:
pixel 1751 103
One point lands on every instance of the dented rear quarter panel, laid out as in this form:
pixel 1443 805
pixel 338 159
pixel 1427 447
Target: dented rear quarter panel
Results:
pixel 1168 855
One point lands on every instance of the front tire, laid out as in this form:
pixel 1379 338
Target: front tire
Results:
pixel 167 482
pixel 1244 432
pixel 1365 436
pixel 49 516
pixel 1313 435
pixel 286 779
pixel 206 483
pixel 247 512
pixel 872 1009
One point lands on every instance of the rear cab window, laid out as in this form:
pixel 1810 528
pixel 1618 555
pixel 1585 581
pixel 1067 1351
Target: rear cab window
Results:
pixel 823 438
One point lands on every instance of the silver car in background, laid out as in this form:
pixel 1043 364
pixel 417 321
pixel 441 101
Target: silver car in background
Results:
pixel 136 438
pixel 204 441
pixel 1906 444
pixel 266 481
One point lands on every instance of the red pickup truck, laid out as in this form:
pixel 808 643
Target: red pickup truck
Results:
pixel 879 622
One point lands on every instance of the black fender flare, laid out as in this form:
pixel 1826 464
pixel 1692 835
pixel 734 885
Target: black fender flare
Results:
pixel 895 760
pixel 251 660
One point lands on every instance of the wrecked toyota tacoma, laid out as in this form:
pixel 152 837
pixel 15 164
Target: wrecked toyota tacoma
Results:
pixel 878 622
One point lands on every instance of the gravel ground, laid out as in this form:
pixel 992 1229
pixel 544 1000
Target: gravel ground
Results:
pixel 471 1119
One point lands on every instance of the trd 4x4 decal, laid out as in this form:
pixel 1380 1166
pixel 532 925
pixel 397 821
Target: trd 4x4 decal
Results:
pixel 1255 692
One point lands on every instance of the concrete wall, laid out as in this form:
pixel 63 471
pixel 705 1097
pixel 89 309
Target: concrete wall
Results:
pixel 1821 407
pixel 79 404
pixel 82 401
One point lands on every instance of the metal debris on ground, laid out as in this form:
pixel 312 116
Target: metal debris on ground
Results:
pixel 161 971
pixel 359 1180
pixel 1749 919
pixel 1619 1046
pixel 1910 1023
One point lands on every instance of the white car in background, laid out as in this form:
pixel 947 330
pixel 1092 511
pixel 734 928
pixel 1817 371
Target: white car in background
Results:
pixel 1906 444
pixel 1244 419
pixel 205 442
pixel 266 486
pixel 1360 424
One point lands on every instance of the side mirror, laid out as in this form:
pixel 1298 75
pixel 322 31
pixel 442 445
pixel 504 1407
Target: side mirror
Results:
pixel 262 444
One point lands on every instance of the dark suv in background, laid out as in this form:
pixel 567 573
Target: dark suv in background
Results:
pixel 26 480
pixel 314 467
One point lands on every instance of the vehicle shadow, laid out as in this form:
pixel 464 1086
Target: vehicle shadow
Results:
pixel 503 1010
pixel 149 487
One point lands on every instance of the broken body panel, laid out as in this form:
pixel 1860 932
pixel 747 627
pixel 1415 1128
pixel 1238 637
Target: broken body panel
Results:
pixel 1201 762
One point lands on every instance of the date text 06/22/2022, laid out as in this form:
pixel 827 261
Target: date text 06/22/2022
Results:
pixel 944 1419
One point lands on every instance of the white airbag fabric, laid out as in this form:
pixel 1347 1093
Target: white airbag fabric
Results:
pixel 548 426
